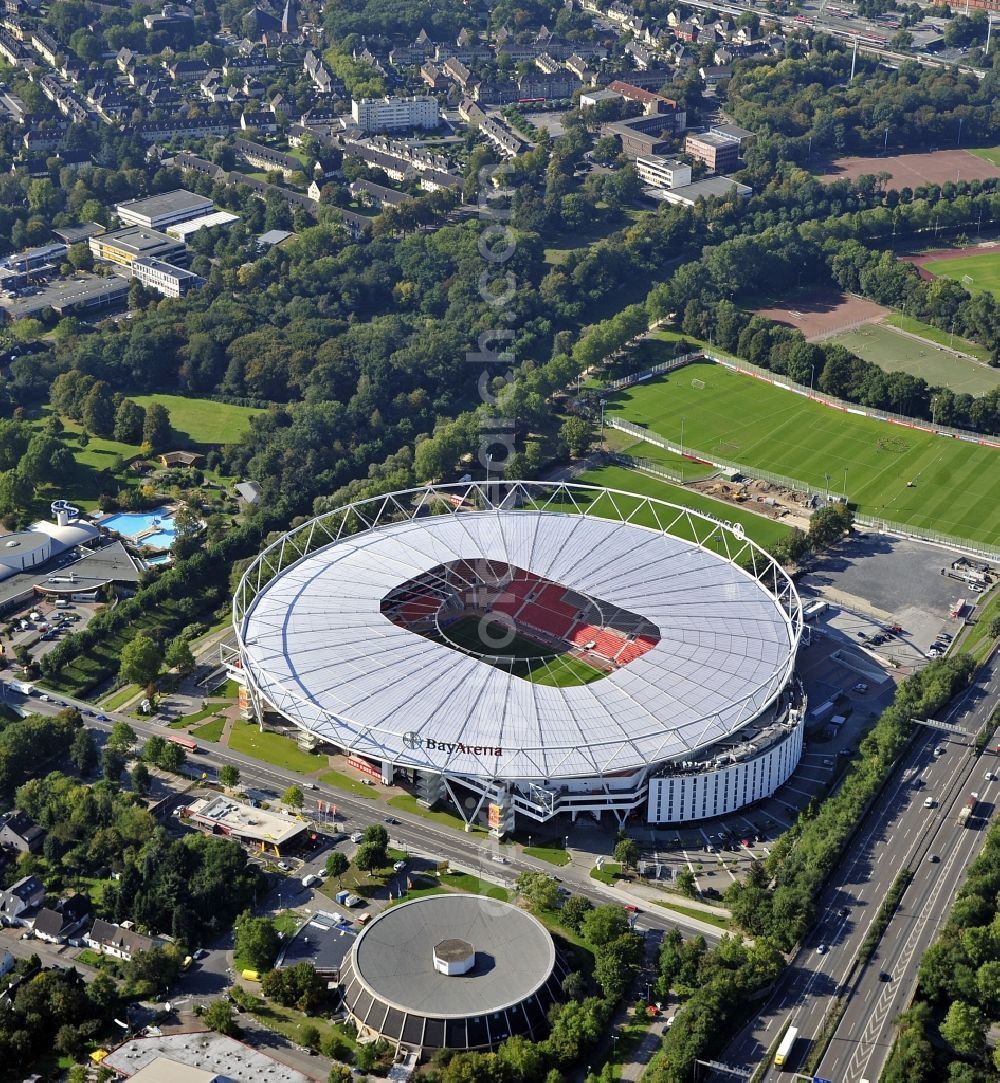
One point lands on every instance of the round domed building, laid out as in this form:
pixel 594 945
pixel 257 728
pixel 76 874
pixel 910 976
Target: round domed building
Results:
pixel 452 972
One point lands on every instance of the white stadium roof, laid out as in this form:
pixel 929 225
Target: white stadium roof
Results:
pixel 317 647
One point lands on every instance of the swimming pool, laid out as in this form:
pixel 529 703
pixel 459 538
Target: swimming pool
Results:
pixel 160 558
pixel 132 524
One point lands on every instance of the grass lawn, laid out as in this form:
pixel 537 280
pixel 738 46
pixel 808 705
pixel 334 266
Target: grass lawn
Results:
pixel 935 363
pixel 407 803
pixel 197 716
pixel 449 882
pixel 210 731
pixel 904 475
pixel 763 531
pixel 122 696
pixel 203 421
pixel 991 154
pixel 608 874
pixel 350 785
pixel 984 271
pixel 935 334
pixel 554 855
pixel 289 1022
pixel 977 641
pixel 699 915
pixel 287 922
pixel 273 748
pixel 89 957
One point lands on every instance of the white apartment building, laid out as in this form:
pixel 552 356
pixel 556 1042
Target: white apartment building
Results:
pixel 388 114
pixel 663 172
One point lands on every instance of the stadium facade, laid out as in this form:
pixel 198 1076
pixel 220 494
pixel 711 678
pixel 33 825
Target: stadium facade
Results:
pixel 532 649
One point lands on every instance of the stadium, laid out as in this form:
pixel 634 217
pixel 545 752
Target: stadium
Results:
pixel 532 649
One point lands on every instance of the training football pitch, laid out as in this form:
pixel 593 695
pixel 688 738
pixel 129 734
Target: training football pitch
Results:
pixel 891 472
pixel 934 362
pixel 984 271
pixel 521 656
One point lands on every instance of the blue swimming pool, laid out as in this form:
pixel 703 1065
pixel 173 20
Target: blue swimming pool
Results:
pixel 156 527
pixel 160 558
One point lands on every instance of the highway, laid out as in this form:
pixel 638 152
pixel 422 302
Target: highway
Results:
pixel 897 833
pixel 411 833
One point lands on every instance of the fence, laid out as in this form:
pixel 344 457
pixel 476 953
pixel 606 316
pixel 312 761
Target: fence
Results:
pixel 711 460
pixel 647 466
pixel 887 526
pixel 750 369
pixel 656 370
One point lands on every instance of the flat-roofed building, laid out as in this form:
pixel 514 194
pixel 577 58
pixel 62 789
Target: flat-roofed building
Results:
pixel 254 827
pixel 182 230
pixel 124 246
pixel 718 152
pixel 663 172
pixel 171 1058
pixel 160 211
pixel 386 114
pixel 165 278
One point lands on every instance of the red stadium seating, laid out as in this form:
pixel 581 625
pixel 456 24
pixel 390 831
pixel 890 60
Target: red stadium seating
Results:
pixel 631 651
pixel 511 599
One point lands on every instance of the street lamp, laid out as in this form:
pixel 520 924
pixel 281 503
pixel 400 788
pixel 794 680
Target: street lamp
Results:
pixel 603 404
pixel 566 843
pixel 845 484
pixel 683 419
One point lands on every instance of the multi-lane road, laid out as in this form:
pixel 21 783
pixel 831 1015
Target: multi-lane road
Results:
pixel 412 833
pixel 899 832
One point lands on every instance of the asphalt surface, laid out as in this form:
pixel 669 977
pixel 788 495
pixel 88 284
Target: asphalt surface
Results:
pixel 897 833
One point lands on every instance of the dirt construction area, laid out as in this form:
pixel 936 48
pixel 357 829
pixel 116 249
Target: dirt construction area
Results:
pixel 913 170
pixel 823 312
pixel 788 505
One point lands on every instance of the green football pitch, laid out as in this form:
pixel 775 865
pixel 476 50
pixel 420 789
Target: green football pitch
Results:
pixel 895 473
pixel 521 656
pixel 984 270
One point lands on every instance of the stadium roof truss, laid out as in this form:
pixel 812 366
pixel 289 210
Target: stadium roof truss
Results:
pixel 729 616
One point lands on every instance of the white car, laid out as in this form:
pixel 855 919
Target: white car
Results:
pixel 400 865
pixel 990 777
pixel 821 950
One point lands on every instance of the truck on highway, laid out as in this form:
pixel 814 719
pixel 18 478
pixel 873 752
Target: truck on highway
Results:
pixel 967 813
pixel 22 686
pixel 784 1053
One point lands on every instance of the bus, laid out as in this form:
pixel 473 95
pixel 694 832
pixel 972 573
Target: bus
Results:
pixel 785 1048
pixel 185 742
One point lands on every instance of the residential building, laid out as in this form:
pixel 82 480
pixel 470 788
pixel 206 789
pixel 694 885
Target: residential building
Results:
pixel 718 152
pixel 187 71
pixel 652 104
pixel 560 84
pixel 154 131
pixel 377 195
pixel 388 114
pixel 123 246
pixel 434 180
pixel 21 897
pixel 165 209
pixel 267 158
pixel 497 92
pixel 259 121
pixel 663 172
pixel 164 278
pixel 19 832
pixel 119 941
pixel 433 76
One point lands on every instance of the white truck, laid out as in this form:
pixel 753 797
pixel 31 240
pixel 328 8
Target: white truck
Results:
pixel 309 879
pixel 22 686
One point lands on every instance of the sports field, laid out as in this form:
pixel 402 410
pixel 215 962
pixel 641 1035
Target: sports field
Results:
pixel 939 366
pixel 534 661
pixel 891 472
pixel 984 270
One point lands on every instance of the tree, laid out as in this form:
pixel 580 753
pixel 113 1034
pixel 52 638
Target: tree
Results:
pixel 370 857
pixel 179 656
pixel 365 1058
pixel 156 429
pixel 83 752
pixel 140 661
pixel 577 434
pixel 616 962
pixel 540 890
pixel 686 883
pixel 994 629
pixel 152 750
pixel 229 775
pixel 293 797
pixel 172 758
pixel 218 1016
pixel 122 737
pixel 964 1029
pixel 129 420
pixel 255 940
pixel 340 1073
pixel 140 779
pixel 574 910
pixel 99 410
pixel 336 865
pixel 309 1036
pixel 377 835
pixel 604 924
pixel 112 763
pixel 827 525
pixel 627 853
